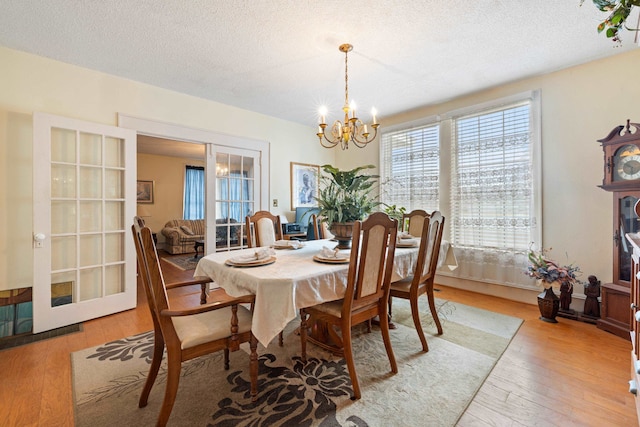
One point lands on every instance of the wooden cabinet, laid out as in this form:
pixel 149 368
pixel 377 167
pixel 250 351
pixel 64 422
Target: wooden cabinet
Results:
pixel 622 177
pixel 615 316
pixel 634 240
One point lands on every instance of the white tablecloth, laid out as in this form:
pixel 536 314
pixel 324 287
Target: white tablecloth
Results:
pixel 294 281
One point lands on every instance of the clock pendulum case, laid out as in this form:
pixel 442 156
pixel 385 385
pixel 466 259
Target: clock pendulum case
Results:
pixel 622 177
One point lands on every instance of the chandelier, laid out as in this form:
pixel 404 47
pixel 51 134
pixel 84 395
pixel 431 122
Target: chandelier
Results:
pixel 352 129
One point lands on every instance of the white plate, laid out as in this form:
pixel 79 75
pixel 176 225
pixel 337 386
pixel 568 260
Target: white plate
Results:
pixel 407 244
pixel 255 263
pixel 287 247
pixel 327 260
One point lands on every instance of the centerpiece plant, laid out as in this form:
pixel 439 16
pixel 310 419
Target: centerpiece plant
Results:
pixel 344 197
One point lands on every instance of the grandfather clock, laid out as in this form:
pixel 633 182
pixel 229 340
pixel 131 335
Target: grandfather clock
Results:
pixel 622 177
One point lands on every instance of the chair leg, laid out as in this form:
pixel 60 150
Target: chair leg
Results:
pixel 203 293
pixel 253 367
pixel 303 335
pixel 432 307
pixel 348 355
pixel 171 390
pixel 415 313
pixel 384 327
pixel 156 361
pixel 226 359
pixel 281 339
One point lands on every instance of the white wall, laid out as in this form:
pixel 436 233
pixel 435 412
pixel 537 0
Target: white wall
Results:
pixel 579 106
pixel 29 83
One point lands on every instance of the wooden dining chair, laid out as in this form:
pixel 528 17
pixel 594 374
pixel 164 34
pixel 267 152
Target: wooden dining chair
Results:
pixel 263 229
pixel 315 231
pixel 191 332
pixel 367 293
pixel 412 222
pixel 424 274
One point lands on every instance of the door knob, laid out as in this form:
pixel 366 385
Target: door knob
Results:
pixel 38 240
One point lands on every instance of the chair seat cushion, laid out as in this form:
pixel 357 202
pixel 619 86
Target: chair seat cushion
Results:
pixel 209 326
pixel 334 308
pixel 403 285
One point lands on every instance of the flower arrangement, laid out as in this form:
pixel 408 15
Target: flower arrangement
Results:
pixel 547 271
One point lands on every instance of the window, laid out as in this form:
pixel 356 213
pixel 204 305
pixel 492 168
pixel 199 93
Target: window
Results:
pixel 487 185
pixel 491 180
pixel 193 207
pixel 410 168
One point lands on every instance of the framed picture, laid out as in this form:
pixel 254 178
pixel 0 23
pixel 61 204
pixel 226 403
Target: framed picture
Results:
pixel 305 180
pixel 144 191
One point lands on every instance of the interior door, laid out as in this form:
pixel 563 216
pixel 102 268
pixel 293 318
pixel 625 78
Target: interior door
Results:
pixel 235 193
pixel 84 202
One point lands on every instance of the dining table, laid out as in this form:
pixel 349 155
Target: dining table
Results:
pixel 291 279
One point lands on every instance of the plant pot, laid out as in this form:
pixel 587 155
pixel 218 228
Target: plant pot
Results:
pixel 549 304
pixel 343 231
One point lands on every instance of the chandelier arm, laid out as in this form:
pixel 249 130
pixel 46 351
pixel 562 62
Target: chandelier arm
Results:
pixel 363 143
pixel 329 143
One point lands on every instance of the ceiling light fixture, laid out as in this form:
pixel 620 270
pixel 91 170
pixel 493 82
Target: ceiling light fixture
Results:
pixel 352 129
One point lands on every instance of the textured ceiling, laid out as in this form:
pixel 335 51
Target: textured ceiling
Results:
pixel 281 57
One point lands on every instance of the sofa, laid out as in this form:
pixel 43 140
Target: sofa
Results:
pixel 181 235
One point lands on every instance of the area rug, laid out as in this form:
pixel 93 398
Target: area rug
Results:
pixel 183 262
pixel 430 389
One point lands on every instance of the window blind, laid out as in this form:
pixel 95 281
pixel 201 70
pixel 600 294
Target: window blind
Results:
pixel 410 168
pixel 492 180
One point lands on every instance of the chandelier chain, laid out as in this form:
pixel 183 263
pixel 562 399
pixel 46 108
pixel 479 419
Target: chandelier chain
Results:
pixel 346 78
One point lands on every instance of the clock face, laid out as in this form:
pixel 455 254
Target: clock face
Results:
pixel 627 163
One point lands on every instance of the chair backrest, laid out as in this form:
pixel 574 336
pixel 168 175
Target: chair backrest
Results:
pixel 314 229
pixel 412 222
pixel 149 270
pixel 429 251
pixel 371 262
pixel 263 229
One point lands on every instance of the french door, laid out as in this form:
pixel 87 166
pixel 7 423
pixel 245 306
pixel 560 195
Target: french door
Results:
pixel 84 204
pixel 237 175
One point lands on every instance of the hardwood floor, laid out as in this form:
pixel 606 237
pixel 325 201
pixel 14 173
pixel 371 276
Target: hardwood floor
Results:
pixel 569 373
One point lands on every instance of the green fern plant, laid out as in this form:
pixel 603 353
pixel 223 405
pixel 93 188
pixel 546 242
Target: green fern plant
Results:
pixel 346 196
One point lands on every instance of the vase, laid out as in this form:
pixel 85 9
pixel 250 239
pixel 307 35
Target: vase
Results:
pixel 549 304
pixel 343 231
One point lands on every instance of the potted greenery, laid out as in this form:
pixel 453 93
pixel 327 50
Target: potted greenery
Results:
pixel 619 11
pixel 345 197
pixel 396 213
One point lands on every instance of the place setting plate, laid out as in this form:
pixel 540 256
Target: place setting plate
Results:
pixel 276 246
pixel 407 243
pixel 256 263
pixel 327 260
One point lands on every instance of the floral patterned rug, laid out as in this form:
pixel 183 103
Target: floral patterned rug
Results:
pixel 431 388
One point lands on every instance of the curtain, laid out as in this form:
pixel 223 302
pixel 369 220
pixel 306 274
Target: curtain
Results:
pixel 492 194
pixel 194 193
pixel 234 194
